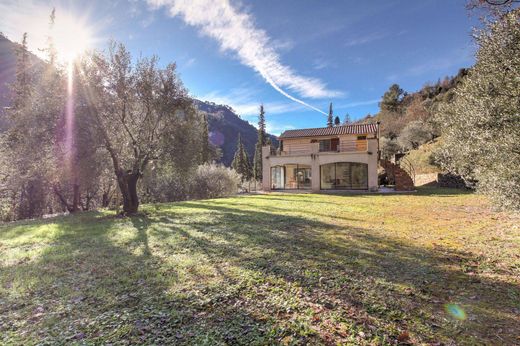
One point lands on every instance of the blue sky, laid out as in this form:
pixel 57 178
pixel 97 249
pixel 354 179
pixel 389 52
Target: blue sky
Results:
pixel 292 56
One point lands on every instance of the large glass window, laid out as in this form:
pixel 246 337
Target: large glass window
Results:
pixel 328 176
pixel 344 176
pixel 303 176
pixel 277 177
pixel 291 177
pixel 359 174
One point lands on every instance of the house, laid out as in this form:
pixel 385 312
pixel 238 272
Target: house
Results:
pixel 329 158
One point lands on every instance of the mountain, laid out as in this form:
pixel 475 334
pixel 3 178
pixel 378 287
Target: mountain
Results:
pixel 224 123
pixel 7 74
pixel 224 126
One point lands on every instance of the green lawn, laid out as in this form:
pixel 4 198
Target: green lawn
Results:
pixel 434 267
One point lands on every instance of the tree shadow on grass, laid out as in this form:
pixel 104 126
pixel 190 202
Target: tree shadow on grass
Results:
pixel 104 283
pixel 204 273
pixel 395 285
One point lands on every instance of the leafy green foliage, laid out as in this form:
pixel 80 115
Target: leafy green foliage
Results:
pixel 392 99
pixel 213 181
pixel 481 125
pixel 389 147
pixel 414 134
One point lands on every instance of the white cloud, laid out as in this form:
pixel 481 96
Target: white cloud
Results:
pixel 235 31
pixel 276 128
pixel 320 63
pixel 359 40
pixel 147 21
pixel 190 62
pixel 242 100
pixel 371 37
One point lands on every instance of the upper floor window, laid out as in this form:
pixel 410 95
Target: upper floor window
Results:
pixel 330 144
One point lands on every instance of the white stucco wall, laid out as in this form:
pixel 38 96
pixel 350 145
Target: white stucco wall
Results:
pixel 315 159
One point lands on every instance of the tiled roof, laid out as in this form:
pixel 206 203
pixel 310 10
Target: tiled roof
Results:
pixel 357 129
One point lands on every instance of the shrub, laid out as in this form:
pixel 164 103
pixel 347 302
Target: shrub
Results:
pixel 212 181
pixel 389 147
pixel 414 134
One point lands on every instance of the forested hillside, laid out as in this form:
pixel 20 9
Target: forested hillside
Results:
pixel 8 72
pixel 398 108
pixel 410 120
pixel 224 127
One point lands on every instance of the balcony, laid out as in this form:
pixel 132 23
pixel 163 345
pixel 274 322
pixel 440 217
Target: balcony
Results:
pixel 345 146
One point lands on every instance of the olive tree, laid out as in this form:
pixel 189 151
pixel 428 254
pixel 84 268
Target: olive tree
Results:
pixel 138 109
pixel 414 134
pixel 389 147
pixel 481 126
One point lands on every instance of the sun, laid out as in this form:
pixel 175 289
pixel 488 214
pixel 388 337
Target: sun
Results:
pixel 72 36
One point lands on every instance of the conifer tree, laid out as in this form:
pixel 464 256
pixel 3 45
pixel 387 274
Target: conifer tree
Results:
pixel 241 161
pixel 257 164
pixel 330 116
pixel 51 48
pixel 205 148
pixel 337 122
pixel 347 120
pixel 23 82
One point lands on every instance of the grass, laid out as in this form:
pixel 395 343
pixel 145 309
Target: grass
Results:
pixel 435 267
pixel 421 157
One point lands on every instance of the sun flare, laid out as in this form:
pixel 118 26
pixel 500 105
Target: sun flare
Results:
pixel 71 36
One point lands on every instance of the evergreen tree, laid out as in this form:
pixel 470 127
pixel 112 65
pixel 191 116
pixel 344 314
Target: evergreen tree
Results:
pixel 347 120
pixel 257 164
pixel 330 116
pixel 205 148
pixel 392 99
pixel 337 122
pixel 241 161
pixel 22 85
pixel 51 48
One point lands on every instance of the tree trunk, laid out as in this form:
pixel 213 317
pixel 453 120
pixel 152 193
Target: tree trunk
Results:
pixel 71 208
pixel 88 199
pixel 75 198
pixel 127 182
pixel 106 197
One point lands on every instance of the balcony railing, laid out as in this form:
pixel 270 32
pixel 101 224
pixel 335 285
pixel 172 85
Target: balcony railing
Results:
pixel 345 146
pixel 353 145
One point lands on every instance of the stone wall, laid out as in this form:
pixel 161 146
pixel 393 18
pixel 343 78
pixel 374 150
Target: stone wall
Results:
pixel 450 180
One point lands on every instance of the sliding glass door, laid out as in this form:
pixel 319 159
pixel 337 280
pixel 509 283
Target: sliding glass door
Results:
pixel 344 176
pixel 291 177
pixel 277 177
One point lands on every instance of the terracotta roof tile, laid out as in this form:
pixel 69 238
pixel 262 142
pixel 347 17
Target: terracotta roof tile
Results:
pixel 331 131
